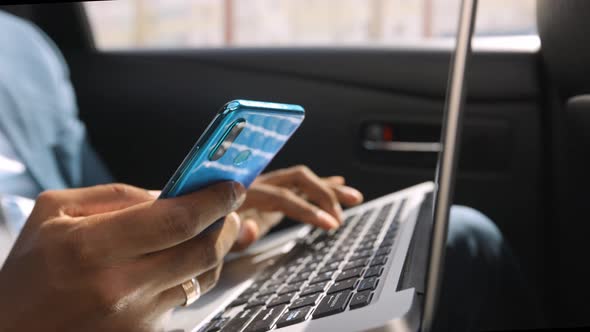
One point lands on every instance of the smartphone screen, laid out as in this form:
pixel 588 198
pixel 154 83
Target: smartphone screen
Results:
pixel 237 146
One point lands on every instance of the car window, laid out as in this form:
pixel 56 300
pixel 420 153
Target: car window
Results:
pixel 131 24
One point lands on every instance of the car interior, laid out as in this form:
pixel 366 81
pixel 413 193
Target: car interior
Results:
pixel 524 145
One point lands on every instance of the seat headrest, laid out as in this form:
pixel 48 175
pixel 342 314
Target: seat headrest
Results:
pixel 564 29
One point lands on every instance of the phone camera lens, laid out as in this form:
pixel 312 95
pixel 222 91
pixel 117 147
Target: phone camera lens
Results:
pixel 230 137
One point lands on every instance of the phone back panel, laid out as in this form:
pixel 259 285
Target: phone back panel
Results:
pixel 267 128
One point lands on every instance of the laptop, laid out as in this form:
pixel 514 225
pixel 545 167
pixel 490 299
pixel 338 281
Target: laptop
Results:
pixel 380 271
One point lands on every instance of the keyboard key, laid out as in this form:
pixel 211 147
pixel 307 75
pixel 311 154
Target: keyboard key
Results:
pixel 305 301
pixel 248 293
pixel 342 285
pixel 383 251
pixel 372 236
pixel 310 267
pixel 361 248
pixel 336 259
pixel 391 233
pixel 332 304
pixel 290 288
pixel 318 246
pixel 330 267
pixel 368 284
pixel 351 238
pixel 353 273
pixel 374 271
pixel 259 300
pixel 381 260
pixel 268 290
pixel 252 289
pixel 340 230
pixel 361 254
pixel 366 216
pixel 366 245
pixel 265 320
pixel 343 247
pixel 283 299
pixel 316 288
pixel 318 258
pixel 299 277
pixel 386 243
pixel 239 301
pixel 358 263
pixel 274 284
pixel 265 275
pixel 321 277
pixel 294 316
pixel 355 232
pixel 292 269
pixel 339 255
pixel 361 299
pixel 239 322
pixel 217 324
pixel 331 242
pixel 283 277
pixel 321 236
pixel 393 226
pixel 349 219
pixel 377 226
pixel 284 272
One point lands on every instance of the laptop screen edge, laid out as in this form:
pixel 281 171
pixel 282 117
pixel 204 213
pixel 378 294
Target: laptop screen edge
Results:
pixel 448 159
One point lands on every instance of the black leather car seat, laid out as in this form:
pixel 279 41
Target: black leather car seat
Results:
pixel 564 29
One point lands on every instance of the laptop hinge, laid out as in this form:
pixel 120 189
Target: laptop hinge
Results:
pixel 416 263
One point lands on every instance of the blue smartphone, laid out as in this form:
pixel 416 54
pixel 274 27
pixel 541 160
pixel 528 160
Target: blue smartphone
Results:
pixel 237 145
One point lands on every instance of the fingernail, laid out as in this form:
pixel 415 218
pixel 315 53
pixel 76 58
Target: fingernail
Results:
pixel 352 192
pixel 241 234
pixel 326 218
pixel 235 217
pixel 154 193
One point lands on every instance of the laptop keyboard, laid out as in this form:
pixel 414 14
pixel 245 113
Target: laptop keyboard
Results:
pixel 326 274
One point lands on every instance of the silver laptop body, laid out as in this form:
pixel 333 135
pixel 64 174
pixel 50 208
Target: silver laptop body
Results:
pixel 381 271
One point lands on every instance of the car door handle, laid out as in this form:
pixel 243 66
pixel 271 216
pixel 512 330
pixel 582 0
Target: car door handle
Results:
pixel 398 146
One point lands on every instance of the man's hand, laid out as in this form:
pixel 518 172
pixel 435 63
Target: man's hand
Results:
pixel 297 193
pixel 112 257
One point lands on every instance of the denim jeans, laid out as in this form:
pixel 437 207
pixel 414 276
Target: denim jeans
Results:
pixel 483 286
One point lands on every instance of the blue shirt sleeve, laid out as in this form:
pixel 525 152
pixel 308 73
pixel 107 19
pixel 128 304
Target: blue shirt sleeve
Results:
pixel 38 111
